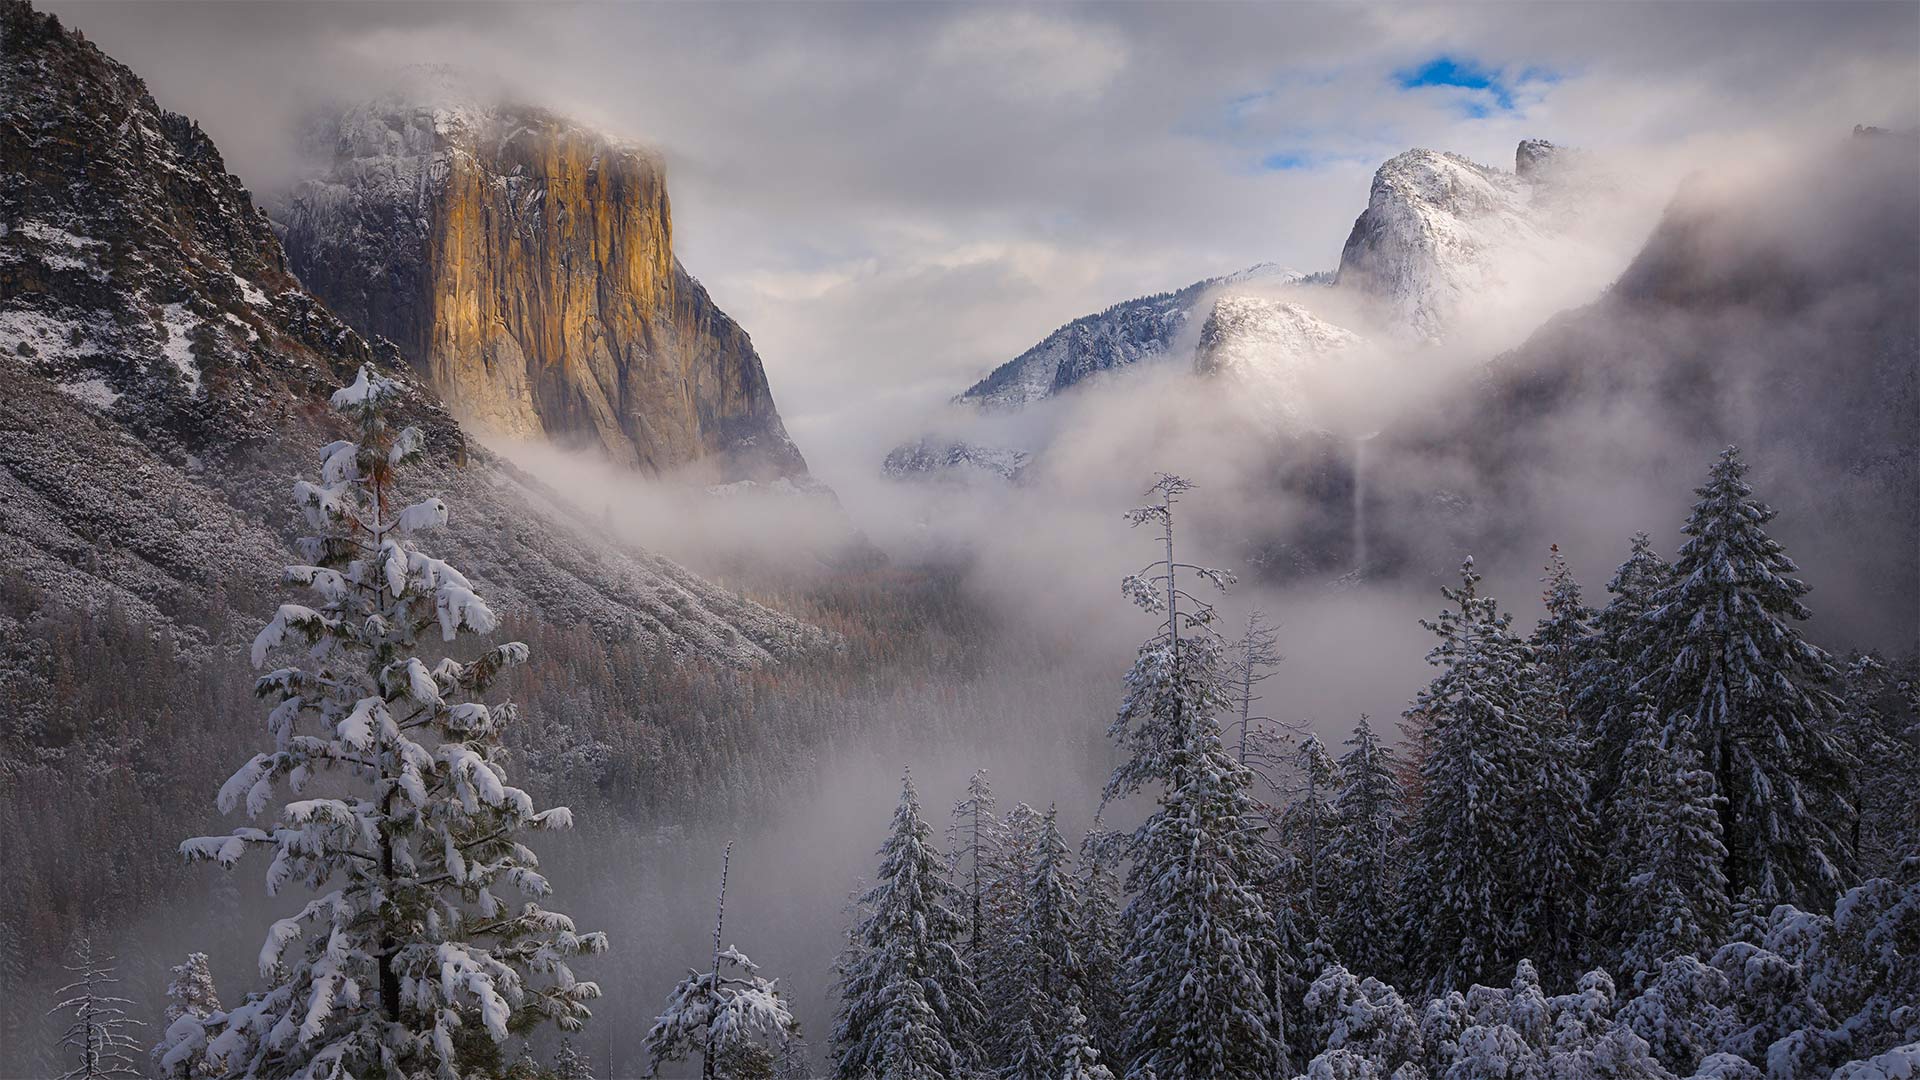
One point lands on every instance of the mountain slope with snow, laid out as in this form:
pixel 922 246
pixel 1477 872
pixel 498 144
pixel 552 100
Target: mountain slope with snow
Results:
pixel 1267 351
pixel 166 378
pixel 1131 332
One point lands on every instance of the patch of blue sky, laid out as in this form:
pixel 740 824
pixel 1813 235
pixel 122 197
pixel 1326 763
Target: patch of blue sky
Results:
pixel 1478 91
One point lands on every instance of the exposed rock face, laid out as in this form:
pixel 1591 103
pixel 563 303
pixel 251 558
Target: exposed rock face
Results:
pixel 526 265
pixel 163 377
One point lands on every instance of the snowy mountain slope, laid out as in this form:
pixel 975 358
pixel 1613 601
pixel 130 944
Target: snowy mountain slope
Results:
pixel 1130 332
pixel 525 263
pixel 166 379
pixel 1267 350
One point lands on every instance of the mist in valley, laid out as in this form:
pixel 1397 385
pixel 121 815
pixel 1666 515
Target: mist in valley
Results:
pixel 1400 456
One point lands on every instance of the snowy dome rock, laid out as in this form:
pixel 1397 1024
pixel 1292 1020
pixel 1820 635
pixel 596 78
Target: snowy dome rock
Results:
pixel 1432 237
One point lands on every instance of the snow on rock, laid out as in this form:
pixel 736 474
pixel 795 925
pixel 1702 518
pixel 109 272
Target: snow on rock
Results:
pixel 93 391
pixel 250 292
pixel 1268 350
pixel 1128 333
pixel 955 460
pixel 1434 237
pixel 178 325
pixel 29 334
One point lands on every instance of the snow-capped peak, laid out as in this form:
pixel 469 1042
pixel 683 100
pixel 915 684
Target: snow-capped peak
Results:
pixel 1432 237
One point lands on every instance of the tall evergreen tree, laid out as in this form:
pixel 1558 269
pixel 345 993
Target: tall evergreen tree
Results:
pixel 1045 965
pixel 1502 828
pixel 907 997
pixel 1563 831
pixel 1666 862
pixel 99 1037
pixel 973 843
pixel 407 961
pixel 1198 932
pixel 1306 826
pixel 1721 653
pixel 1606 700
pixel 1097 944
pixel 1008 1035
pixel 1563 643
pixel 1460 887
pixel 1363 857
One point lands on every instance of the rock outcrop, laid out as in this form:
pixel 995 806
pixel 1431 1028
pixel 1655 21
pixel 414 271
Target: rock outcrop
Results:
pixel 525 264
pixel 1438 233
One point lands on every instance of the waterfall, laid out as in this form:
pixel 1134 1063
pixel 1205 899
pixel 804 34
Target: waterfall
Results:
pixel 1360 504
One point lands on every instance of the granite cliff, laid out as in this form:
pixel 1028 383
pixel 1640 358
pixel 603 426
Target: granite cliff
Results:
pixel 525 264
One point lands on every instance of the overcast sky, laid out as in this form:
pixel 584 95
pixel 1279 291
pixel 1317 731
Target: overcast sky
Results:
pixel 894 198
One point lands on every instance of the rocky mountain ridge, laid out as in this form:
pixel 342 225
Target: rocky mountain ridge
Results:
pixel 1434 242
pixel 1134 331
pixel 524 263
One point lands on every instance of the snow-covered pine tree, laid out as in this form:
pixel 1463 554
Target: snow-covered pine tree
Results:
pixel 407 962
pixel 1306 826
pixel 973 842
pixel 1665 866
pixel 1177 683
pixel 1198 932
pixel 1046 969
pixel 1720 649
pixel 1606 699
pixel 1074 1055
pixel 1562 831
pixel 1096 938
pixel 99 1036
pixel 1881 724
pixel 190 993
pixel 1563 643
pixel 727 1012
pixel 1364 856
pixel 1470 868
pixel 1006 1035
pixel 907 998
pixel 570 1064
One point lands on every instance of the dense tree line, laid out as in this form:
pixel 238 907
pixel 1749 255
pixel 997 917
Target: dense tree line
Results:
pixel 1666 838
